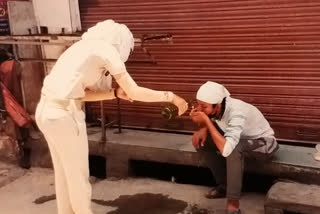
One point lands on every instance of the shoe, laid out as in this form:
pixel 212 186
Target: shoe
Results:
pixel 216 192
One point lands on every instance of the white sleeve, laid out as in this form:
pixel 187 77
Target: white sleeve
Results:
pixel 142 94
pixel 233 133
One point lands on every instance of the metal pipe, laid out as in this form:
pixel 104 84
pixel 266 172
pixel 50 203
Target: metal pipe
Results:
pixel 64 43
pixel 103 123
pixel 29 39
pixel 70 39
pixel 54 60
pixel 42 37
pixel 16 54
pixel 119 116
pixel 164 37
pixel 36 60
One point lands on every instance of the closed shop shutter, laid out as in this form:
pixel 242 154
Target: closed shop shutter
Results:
pixel 265 52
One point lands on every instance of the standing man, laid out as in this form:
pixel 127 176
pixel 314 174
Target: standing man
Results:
pixel 236 130
pixel 82 73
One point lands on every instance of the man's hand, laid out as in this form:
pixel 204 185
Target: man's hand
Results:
pixel 122 95
pixel 199 117
pixel 180 103
pixel 199 137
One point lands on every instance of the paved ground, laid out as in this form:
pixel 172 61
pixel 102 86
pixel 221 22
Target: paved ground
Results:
pixel 9 173
pixel 32 192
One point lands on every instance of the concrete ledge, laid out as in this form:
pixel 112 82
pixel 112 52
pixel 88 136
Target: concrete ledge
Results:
pixel 290 162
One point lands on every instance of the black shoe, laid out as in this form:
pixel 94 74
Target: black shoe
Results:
pixel 216 192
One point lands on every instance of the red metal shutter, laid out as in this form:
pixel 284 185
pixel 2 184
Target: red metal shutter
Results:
pixel 265 52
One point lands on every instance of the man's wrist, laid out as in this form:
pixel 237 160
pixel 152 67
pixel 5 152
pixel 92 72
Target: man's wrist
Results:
pixel 207 122
pixel 203 127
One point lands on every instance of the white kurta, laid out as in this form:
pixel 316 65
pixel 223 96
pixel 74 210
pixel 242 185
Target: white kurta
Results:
pixel 84 65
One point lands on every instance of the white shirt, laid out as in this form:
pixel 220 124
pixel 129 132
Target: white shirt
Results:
pixel 85 64
pixel 242 120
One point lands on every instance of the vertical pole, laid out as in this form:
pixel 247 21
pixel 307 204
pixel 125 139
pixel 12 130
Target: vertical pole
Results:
pixel 119 115
pixel 103 124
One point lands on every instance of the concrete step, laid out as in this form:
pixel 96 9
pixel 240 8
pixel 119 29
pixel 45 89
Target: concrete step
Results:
pixel 293 197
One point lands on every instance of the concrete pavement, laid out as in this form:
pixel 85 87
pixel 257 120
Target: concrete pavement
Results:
pixel 32 192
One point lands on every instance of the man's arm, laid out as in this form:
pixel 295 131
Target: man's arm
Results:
pixel 142 94
pixel 217 138
pixel 199 137
pixel 233 133
pixel 228 142
pixel 207 125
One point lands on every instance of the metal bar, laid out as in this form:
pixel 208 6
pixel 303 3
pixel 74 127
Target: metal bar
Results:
pixel 119 115
pixel 36 60
pixel 54 60
pixel 108 125
pixel 103 122
pixel 41 37
pixel 31 38
pixel 16 54
pixel 64 43
pixel 60 37
pixel 69 40
pixel 73 38
pixel 165 37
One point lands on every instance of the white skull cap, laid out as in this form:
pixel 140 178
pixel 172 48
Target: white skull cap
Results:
pixel 212 92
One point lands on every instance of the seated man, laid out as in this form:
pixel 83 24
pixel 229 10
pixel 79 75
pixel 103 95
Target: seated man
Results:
pixel 237 129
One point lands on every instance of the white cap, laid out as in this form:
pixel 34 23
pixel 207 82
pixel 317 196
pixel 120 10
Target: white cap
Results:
pixel 113 33
pixel 212 92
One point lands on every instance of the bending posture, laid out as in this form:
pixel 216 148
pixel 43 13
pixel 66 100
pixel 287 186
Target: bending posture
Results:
pixel 236 130
pixel 84 73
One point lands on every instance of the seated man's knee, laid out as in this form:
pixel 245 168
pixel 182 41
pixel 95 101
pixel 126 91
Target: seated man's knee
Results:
pixel 236 154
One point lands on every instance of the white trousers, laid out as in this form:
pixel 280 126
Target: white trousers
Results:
pixel 65 132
